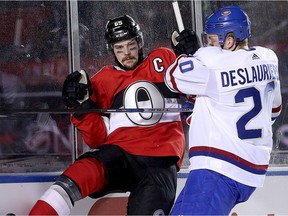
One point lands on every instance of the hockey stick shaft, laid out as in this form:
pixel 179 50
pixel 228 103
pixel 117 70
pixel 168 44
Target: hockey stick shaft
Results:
pixel 178 15
pixel 69 111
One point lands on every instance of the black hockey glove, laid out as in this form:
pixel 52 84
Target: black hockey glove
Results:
pixel 76 92
pixel 185 42
pixel 76 89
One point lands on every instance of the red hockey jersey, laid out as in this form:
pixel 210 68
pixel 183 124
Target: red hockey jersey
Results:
pixel 145 134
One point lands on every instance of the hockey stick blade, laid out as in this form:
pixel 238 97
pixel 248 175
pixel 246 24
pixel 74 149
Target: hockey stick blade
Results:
pixel 70 111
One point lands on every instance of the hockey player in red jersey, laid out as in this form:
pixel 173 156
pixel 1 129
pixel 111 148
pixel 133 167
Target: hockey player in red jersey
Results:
pixel 238 99
pixel 136 152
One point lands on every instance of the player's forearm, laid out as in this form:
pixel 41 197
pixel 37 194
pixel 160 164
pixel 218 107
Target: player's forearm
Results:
pixel 92 128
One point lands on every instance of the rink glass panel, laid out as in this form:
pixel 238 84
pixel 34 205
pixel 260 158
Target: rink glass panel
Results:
pixel 36 50
pixel 34 64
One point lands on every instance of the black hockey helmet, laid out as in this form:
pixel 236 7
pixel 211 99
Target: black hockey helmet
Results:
pixel 122 28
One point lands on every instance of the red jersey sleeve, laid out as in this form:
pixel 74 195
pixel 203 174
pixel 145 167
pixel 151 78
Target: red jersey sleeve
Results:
pixel 92 128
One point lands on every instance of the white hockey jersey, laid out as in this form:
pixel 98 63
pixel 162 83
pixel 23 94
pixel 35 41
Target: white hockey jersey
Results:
pixel 238 98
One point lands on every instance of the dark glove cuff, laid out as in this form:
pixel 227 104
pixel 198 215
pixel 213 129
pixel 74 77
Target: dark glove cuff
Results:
pixel 188 43
pixel 86 105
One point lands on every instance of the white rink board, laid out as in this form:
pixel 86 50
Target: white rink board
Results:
pixel 18 198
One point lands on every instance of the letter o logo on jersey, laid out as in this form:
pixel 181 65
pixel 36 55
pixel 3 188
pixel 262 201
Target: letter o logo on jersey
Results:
pixel 133 99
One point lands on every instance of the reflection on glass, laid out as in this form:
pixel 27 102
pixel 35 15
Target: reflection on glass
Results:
pixel 33 65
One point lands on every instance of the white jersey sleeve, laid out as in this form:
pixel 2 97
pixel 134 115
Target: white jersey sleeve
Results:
pixel 186 75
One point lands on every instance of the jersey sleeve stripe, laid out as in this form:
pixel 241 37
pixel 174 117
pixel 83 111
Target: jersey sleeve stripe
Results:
pixel 277 109
pixel 276 112
pixel 172 70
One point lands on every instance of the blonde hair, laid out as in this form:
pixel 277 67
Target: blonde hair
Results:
pixel 241 44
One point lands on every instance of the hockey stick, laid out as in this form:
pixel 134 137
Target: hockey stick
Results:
pixel 178 15
pixel 70 111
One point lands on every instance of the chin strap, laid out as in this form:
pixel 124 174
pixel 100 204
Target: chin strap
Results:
pixel 236 45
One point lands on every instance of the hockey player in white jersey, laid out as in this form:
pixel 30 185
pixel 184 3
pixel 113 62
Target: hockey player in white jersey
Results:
pixel 238 99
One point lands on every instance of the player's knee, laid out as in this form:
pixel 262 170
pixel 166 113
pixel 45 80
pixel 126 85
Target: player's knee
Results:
pixel 70 187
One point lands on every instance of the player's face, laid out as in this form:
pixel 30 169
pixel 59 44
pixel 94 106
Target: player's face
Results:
pixel 126 53
pixel 213 40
